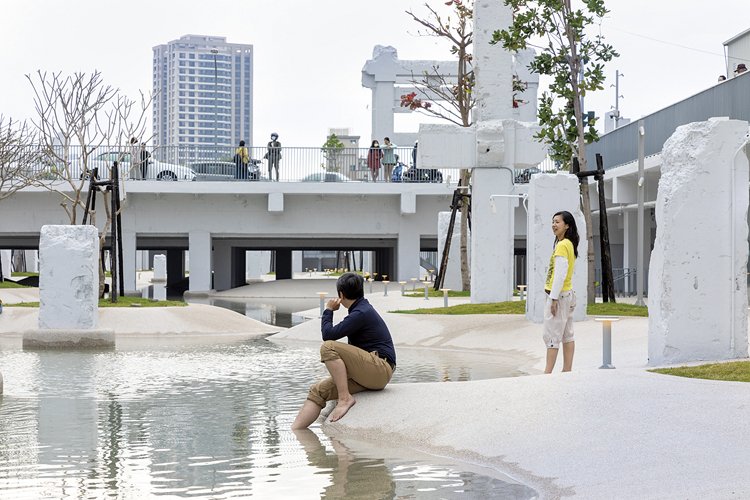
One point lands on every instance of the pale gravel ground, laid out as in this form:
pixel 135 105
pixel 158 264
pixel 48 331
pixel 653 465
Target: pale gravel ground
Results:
pixel 623 433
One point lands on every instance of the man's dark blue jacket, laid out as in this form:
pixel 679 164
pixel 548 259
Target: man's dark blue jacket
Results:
pixel 364 328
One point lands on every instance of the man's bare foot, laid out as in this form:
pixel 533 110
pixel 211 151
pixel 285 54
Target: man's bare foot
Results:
pixel 342 407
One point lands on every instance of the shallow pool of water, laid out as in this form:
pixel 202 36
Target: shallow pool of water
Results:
pixel 273 311
pixel 204 422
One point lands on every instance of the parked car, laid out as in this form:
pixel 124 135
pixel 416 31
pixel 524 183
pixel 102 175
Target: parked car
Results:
pixel 326 177
pixel 422 175
pixel 155 170
pixel 214 170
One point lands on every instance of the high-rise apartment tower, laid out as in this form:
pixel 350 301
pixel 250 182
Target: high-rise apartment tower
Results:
pixel 204 93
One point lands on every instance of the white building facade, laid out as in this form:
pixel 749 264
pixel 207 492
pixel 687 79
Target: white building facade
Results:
pixel 203 89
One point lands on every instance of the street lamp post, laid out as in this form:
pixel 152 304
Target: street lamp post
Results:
pixel 216 104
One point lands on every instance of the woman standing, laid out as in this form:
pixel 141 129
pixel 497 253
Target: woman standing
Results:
pixel 561 299
pixel 389 159
pixel 241 161
pixel 373 159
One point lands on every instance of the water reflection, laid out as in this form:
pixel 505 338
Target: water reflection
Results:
pixel 186 421
pixel 276 311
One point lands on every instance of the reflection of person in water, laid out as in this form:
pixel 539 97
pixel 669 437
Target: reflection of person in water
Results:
pixel 351 477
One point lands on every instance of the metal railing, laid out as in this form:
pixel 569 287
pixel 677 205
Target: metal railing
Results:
pixel 287 164
pixel 624 280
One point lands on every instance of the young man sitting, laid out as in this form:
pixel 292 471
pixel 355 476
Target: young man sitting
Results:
pixel 365 363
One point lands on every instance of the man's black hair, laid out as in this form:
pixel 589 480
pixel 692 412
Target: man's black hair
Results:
pixel 351 286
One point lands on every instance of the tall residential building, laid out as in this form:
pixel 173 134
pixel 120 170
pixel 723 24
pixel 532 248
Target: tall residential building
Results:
pixel 204 93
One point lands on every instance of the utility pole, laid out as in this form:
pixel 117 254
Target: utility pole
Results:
pixel 616 112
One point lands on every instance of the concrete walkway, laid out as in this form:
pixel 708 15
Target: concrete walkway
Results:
pixel 591 433
pixel 623 433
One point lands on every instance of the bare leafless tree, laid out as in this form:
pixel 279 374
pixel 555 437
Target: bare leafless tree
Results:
pixel 76 116
pixel 450 100
pixel 19 155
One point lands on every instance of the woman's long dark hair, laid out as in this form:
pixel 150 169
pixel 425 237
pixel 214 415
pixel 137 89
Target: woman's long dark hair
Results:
pixel 572 232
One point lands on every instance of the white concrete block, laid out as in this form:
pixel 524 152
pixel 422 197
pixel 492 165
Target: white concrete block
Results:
pixel 549 194
pixel 698 272
pixel 69 277
pixel 453 276
pixel 408 203
pixel 492 237
pixel 160 268
pixel 446 146
pixel 276 202
pixel 508 143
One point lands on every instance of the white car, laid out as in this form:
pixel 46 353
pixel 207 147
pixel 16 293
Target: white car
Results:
pixel 155 170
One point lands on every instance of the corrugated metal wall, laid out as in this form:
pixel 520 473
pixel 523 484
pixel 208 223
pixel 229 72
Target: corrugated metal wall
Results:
pixel 730 98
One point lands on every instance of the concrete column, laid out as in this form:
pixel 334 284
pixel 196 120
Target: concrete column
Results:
pixel 129 246
pixel 383 262
pixel 5 257
pixel 175 266
pixel 549 194
pixel 222 257
pixel 257 263
pixel 698 272
pixel 492 237
pixel 238 267
pixel 284 264
pixel 200 261
pixel 297 261
pixel 407 255
pixel 382 110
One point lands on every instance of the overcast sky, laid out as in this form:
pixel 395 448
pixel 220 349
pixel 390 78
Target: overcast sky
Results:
pixel 309 54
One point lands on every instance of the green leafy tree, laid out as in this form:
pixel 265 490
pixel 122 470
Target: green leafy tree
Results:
pixel 575 62
pixel 449 100
pixel 332 151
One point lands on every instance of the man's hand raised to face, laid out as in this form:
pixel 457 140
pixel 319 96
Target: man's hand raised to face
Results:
pixel 333 304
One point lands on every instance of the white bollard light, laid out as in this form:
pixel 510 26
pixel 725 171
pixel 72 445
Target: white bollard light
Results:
pixel 322 296
pixel 607 341
pixel 445 296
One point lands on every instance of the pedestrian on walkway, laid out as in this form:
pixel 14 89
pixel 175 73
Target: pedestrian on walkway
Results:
pixel 389 159
pixel 241 161
pixel 561 299
pixel 273 156
pixel 374 156
pixel 144 156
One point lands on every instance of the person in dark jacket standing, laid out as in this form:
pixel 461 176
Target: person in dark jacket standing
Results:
pixel 273 156
pixel 365 363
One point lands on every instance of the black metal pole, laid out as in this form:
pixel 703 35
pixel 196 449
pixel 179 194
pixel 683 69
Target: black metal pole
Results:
pixel 117 215
pixel 448 237
pixel 113 238
pixel 608 288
